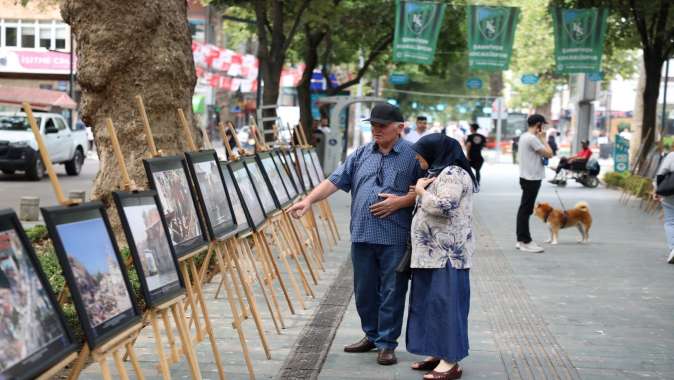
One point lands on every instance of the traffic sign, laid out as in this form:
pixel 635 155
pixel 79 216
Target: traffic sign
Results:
pixel 595 77
pixel 474 83
pixel 529 79
pixel 399 78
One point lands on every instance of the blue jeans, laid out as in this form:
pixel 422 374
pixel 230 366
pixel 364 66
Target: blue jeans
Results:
pixel 669 224
pixel 380 291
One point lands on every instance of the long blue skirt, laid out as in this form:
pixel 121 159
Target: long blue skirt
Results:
pixel 437 322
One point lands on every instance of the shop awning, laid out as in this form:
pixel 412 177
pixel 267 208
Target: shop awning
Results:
pixel 38 98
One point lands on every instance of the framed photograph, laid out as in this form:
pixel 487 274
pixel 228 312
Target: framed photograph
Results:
pixel 317 164
pixel 273 179
pixel 235 199
pixel 284 158
pixel 304 171
pixel 313 172
pixel 93 268
pixel 210 185
pixel 285 177
pixel 34 335
pixel 247 193
pixel 263 191
pixel 168 176
pixel 150 245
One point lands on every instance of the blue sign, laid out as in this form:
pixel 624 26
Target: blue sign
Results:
pixel 399 78
pixel 474 83
pixel 595 77
pixel 621 154
pixel 529 79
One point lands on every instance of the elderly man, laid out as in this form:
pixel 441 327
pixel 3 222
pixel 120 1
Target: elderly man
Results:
pixel 378 175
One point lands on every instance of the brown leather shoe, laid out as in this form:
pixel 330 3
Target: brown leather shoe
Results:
pixel 387 357
pixel 363 345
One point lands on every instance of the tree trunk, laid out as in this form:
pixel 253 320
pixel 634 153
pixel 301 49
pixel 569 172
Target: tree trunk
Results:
pixel 271 76
pixel 313 40
pixel 496 84
pixel 545 109
pixel 127 48
pixel 650 107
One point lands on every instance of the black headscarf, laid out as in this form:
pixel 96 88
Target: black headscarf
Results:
pixel 441 151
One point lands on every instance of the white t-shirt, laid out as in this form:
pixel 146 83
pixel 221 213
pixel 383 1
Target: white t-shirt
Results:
pixel 531 165
pixel 414 136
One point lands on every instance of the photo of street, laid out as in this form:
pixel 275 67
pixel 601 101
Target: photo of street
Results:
pixel 152 246
pixel 275 179
pixel 27 320
pixel 213 193
pixel 261 186
pixel 248 193
pixel 239 213
pixel 176 199
pixel 97 273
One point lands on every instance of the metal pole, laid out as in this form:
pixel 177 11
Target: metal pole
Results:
pixel 356 130
pixel 499 111
pixel 664 99
pixel 71 79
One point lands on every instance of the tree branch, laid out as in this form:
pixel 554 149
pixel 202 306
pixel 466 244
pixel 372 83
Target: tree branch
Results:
pixel 296 24
pixel 379 48
pixel 641 25
pixel 659 37
pixel 262 26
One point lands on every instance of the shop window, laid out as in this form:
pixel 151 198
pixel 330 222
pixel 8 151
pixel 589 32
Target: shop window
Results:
pixel 28 36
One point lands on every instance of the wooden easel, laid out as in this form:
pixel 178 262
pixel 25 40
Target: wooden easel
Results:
pixel 161 312
pixel 188 268
pixel 226 262
pixel 122 341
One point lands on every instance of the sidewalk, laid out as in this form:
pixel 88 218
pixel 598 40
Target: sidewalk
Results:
pixel 598 311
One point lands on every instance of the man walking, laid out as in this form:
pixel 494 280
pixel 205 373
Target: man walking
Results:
pixel 532 150
pixel 420 131
pixel 475 142
pixel 378 175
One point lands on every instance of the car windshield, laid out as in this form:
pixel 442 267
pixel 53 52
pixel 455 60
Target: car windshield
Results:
pixel 16 123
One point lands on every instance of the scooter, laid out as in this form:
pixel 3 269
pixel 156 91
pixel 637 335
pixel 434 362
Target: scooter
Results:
pixel 586 176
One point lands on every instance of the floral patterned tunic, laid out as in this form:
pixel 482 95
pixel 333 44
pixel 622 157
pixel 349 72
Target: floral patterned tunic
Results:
pixel 442 227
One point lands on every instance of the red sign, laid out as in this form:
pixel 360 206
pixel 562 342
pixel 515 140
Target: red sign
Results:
pixel 35 61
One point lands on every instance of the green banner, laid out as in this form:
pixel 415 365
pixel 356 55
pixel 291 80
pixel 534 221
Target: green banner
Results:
pixel 417 28
pixel 621 154
pixel 491 31
pixel 579 39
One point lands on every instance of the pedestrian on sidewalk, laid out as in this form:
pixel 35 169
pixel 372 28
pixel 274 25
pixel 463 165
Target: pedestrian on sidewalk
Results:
pixel 420 130
pixel 667 167
pixel 532 150
pixel 379 176
pixel 442 246
pixel 475 142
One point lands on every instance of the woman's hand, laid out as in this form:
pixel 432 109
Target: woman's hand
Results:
pixel 420 187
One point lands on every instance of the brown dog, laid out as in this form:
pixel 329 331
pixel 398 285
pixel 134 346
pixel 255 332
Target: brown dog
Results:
pixel 578 216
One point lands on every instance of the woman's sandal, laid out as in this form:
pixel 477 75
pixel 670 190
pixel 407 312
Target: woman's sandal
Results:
pixel 425 365
pixel 454 373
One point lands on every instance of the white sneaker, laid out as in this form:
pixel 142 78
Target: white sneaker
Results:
pixel 670 258
pixel 531 247
pixel 517 245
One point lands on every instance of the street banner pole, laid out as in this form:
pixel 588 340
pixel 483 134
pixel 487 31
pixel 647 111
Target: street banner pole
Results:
pixel 579 39
pixel 491 32
pixel 499 112
pixel 416 31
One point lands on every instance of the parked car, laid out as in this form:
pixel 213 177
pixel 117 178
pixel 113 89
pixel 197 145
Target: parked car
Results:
pixel 19 150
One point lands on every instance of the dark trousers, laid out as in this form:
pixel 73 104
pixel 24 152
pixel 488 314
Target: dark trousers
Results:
pixel 379 291
pixel 575 165
pixel 529 194
pixel 476 164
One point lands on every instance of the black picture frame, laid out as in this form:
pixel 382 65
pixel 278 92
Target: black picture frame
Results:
pixel 277 156
pixel 273 178
pixel 240 212
pixel 291 167
pixel 213 193
pixel 311 169
pixel 158 258
pixel 83 232
pixel 263 191
pixel 41 330
pixel 248 194
pixel 158 171
pixel 303 171
pixel 317 164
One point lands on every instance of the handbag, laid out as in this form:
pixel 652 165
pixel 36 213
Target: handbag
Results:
pixel 665 184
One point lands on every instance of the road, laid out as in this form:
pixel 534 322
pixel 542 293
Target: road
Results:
pixel 13 187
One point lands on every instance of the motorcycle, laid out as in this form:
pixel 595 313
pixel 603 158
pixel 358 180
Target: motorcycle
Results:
pixel 586 176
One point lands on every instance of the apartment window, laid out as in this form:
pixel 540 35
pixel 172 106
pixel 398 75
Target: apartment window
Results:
pixel 27 36
pixel 10 36
pixel 45 36
pixel 61 36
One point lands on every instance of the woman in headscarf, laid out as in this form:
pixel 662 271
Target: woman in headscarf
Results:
pixel 442 245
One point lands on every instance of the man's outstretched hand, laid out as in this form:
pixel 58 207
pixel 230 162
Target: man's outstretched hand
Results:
pixel 300 208
pixel 389 205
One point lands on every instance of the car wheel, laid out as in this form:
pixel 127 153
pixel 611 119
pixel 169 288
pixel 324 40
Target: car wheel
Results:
pixel 8 171
pixel 74 166
pixel 36 171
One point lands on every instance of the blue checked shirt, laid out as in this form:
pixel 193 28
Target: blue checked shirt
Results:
pixel 367 173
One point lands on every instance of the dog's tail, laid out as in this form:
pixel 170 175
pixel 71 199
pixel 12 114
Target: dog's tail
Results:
pixel 582 206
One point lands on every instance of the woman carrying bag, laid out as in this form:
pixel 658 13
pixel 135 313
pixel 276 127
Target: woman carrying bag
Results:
pixel 664 192
pixel 442 244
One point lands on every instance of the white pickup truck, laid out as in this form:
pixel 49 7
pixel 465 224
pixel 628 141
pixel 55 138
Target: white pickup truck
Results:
pixel 19 151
